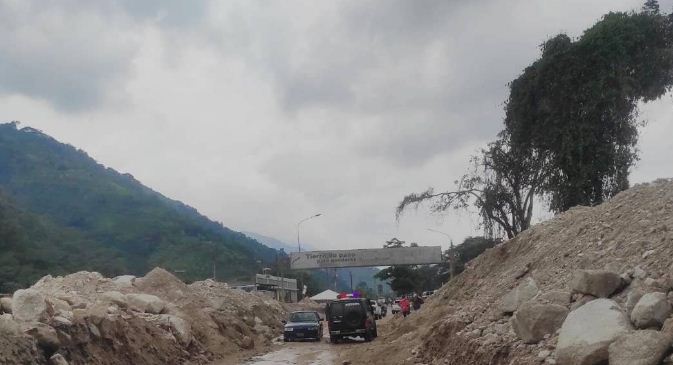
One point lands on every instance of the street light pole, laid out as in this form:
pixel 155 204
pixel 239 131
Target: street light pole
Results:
pixel 299 223
pixel 451 253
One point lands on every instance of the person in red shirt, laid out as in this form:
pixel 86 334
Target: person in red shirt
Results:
pixel 405 306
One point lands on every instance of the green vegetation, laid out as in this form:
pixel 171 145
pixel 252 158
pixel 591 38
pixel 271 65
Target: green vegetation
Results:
pixel 571 125
pixel 62 212
pixel 405 279
pixel 577 104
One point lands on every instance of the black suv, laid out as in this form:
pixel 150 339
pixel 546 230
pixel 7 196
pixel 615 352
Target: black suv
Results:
pixel 350 317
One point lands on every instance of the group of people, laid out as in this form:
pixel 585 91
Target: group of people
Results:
pixel 406 304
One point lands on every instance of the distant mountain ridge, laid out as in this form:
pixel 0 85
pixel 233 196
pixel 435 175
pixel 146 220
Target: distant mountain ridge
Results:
pixel 133 226
pixel 273 242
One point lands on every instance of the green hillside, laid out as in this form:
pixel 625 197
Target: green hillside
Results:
pixel 131 228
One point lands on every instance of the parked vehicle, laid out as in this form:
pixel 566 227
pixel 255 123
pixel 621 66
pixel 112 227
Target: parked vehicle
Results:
pixel 351 317
pixel 396 307
pixel 427 293
pixel 303 325
pixel 377 309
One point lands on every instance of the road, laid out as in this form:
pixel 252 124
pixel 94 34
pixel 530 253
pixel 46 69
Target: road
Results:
pixel 299 353
pixel 308 353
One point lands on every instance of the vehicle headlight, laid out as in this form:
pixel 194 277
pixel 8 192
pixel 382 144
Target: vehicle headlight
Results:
pixel 288 329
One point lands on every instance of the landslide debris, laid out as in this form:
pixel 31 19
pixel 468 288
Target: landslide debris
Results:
pixel 590 286
pixel 85 318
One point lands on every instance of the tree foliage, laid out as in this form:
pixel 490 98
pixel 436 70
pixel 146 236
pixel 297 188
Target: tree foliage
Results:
pixel 571 125
pixel 112 222
pixel 577 104
pixel 502 185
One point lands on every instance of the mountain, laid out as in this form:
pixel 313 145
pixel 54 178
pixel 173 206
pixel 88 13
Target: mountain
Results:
pixel 274 243
pixel 83 215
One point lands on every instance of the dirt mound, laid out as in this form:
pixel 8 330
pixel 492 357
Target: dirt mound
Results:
pixel 464 322
pixel 156 319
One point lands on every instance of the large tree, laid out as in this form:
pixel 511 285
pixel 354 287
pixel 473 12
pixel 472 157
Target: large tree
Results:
pixel 577 104
pixel 502 185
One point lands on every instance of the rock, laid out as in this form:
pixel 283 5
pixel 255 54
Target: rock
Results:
pixel 519 295
pixel 59 321
pixel 115 297
pixel 639 273
pixel 651 310
pixel 57 359
pixel 581 300
pixel 124 281
pixel 8 326
pixel 29 305
pixel 543 354
pixel 180 328
pixel 93 329
pixel 588 331
pixel 247 343
pixel 646 347
pixel 46 336
pixel 533 321
pixel 632 299
pixel 555 297
pixel 6 305
pixel 59 305
pixel 145 303
pixel 599 283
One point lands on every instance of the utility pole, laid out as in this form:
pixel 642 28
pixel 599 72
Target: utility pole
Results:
pixel 299 223
pixel 452 254
pixel 351 275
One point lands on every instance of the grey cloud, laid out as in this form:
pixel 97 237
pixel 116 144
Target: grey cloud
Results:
pixel 76 54
pixel 172 13
pixel 70 60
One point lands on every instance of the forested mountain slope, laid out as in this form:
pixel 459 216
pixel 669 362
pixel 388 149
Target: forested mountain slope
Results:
pixel 85 215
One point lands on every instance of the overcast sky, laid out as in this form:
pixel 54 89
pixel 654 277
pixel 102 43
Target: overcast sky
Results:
pixel 261 113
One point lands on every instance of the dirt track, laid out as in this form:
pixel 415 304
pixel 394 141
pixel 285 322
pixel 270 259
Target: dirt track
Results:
pixel 311 353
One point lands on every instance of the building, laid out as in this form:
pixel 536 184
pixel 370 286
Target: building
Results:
pixel 284 289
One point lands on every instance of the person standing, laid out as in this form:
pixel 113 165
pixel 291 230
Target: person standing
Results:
pixel 405 306
pixel 417 302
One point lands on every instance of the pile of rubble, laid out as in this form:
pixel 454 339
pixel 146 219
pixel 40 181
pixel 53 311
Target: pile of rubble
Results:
pixel 84 318
pixel 590 286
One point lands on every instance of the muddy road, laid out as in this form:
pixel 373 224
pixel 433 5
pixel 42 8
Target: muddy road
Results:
pixel 312 353
pixel 299 353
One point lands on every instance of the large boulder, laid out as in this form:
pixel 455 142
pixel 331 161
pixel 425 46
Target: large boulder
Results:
pixel 29 305
pixel 114 297
pixel 599 283
pixel 646 347
pixel 589 330
pixel 6 305
pixel 533 321
pixel 8 326
pixel 519 295
pixel 145 303
pixel 46 336
pixel 555 297
pixel 180 328
pixel 651 310
pixel 124 281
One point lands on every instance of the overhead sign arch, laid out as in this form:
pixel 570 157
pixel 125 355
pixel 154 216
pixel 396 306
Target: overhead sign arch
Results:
pixel 366 257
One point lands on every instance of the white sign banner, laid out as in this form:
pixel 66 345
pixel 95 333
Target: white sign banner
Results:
pixel 366 257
